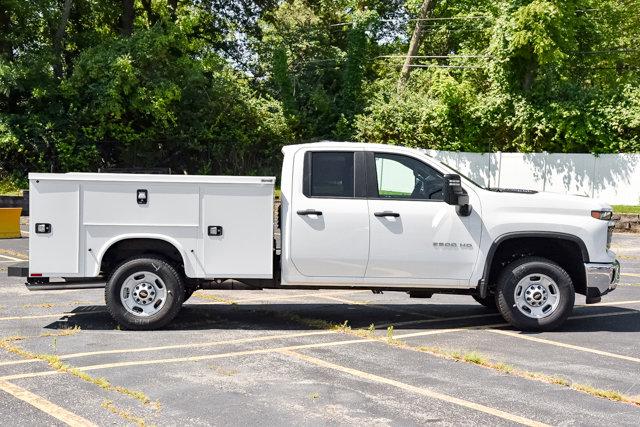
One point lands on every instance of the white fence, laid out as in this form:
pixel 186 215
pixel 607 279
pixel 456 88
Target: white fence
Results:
pixel 614 178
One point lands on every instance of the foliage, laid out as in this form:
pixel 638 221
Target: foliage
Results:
pixel 626 209
pixel 212 86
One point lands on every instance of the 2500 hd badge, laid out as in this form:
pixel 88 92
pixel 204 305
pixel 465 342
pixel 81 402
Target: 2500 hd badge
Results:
pixel 453 245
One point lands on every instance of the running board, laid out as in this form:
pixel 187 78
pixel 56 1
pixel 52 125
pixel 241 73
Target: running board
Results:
pixel 59 286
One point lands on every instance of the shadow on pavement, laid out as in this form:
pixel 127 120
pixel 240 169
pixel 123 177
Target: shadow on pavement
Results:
pixel 302 316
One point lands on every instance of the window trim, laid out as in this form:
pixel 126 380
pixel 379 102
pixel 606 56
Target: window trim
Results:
pixel 372 177
pixel 359 174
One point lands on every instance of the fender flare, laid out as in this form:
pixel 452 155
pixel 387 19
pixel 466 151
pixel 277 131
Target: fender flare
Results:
pixel 483 283
pixel 131 236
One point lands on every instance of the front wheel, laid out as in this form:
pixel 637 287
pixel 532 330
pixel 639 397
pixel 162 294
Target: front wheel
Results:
pixel 535 294
pixel 144 293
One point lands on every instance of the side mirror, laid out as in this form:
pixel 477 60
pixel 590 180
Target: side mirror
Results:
pixel 454 194
pixel 452 189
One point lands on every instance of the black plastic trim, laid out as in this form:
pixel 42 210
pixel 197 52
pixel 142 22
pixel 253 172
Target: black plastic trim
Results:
pixel 360 175
pixel 483 284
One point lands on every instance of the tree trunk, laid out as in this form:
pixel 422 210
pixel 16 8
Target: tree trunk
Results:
pixel 127 17
pixel 151 16
pixel 6 50
pixel 173 9
pixel 416 40
pixel 59 38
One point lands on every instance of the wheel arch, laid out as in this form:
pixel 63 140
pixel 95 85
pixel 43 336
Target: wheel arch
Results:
pixel 122 247
pixel 574 263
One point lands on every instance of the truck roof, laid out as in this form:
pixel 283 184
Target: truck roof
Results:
pixel 353 145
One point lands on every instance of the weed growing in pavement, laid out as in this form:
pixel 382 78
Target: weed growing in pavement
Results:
pixel 42 305
pixel 124 414
pixel 215 298
pixel 314 396
pixel 471 357
pixel 223 371
pixel 56 363
pixel 63 332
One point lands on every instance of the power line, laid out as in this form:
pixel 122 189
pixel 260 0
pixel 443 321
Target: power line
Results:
pixel 445 18
pixel 443 66
pixel 434 56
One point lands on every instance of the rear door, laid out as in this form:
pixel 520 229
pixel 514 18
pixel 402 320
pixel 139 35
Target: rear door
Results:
pixel 330 218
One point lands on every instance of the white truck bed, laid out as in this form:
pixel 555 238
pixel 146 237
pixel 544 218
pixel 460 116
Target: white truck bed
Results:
pixel 89 212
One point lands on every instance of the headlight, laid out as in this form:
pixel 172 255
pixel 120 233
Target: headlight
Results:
pixel 603 215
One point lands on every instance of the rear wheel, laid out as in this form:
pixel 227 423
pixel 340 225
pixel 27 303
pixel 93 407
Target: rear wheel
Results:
pixel 535 294
pixel 144 293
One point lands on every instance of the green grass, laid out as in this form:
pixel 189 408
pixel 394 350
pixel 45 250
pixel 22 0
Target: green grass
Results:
pixel 626 209
pixel 9 188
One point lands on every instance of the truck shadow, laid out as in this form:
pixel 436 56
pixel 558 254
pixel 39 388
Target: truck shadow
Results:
pixel 315 316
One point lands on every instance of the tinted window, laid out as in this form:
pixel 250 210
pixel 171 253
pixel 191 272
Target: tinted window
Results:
pixel 331 175
pixel 406 178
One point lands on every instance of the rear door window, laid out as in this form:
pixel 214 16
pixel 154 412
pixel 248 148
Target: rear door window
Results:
pixel 329 174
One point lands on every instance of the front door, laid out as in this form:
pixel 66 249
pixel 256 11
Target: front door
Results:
pixel 329 219
pixel 414 234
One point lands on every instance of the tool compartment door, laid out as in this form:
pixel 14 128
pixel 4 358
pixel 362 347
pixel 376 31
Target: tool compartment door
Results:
pixel 55 253
pixel 240 244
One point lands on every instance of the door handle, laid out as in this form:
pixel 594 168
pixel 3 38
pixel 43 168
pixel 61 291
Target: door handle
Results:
pixel 387 213
pixel 309 212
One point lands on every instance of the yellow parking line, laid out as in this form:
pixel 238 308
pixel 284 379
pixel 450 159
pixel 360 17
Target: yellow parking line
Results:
pixel 178 346
pixel 191 358
pixel 19 256
pixel 44 405
pixel 630 274
pixel 413 389
pixel 199 345
pixel 563 345
pixel 434 332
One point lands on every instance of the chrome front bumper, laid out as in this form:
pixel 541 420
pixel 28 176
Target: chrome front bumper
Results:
pixel 601 278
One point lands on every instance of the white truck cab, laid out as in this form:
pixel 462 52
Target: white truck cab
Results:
pixel 352 215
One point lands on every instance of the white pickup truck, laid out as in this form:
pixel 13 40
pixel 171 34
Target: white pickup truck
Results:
pixel 352 215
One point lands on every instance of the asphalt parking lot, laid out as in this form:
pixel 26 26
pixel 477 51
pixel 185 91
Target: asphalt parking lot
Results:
pixel 313 358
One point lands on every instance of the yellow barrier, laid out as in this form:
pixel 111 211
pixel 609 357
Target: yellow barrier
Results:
pixel 10 223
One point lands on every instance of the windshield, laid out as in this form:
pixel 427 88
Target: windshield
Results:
pixel 461 174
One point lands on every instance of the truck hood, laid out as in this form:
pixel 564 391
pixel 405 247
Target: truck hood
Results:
pixel 530 201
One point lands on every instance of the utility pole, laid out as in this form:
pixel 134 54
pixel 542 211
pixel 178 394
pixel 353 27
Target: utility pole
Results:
pixel 416 39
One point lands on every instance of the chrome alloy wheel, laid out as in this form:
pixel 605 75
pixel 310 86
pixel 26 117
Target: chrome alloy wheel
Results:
pixel 143 294
pixel 537 296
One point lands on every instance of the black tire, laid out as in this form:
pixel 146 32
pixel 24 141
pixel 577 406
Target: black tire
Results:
pixel 530 266
pixel 489 301
pixel 170 279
